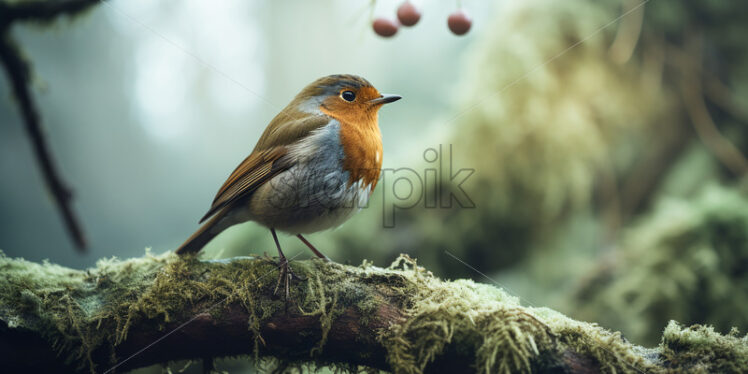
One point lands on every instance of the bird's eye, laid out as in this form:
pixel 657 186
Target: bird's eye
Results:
pixel 348 95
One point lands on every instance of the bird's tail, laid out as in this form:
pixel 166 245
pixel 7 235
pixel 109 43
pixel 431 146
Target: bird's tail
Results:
pixel 202 236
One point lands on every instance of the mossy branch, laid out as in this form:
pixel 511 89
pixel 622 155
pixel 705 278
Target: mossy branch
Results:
pixel 123 315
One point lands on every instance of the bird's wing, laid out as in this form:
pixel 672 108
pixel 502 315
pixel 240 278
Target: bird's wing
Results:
pixel 266 161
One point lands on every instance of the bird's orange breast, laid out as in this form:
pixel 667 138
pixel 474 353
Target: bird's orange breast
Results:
pixel 362 145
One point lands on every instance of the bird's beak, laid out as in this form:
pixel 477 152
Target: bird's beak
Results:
pixel 384 99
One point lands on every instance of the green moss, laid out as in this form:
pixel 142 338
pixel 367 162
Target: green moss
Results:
pixel 95 308
pixel 67 304
pixel 548 130
pixel 703 350
pixel 609 349
pixel 505 336
pixel 85 311
pixel 684 261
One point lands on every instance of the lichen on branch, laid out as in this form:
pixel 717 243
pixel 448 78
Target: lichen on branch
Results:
pixel 125 314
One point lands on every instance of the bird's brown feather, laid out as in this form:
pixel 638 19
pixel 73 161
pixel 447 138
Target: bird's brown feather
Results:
pixel 267 159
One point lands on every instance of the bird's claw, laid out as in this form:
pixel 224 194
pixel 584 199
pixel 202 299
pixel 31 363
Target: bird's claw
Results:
pixel 285 275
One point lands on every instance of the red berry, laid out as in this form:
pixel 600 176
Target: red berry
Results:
pixel 385 27
pixel 459 22
pixel 408 14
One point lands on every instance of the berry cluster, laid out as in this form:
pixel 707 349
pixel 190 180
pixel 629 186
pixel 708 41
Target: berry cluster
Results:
pixel 408 15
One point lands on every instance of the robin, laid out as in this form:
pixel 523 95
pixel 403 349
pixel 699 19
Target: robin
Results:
pixel 315 165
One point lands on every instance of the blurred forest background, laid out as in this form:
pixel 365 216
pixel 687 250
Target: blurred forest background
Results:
pixel 609 161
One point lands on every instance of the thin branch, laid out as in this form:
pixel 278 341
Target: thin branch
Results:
pixel 721 95
pixel 41 11
pixel 725 151
pixel 19 75
pixel 693 96
pixel 628 33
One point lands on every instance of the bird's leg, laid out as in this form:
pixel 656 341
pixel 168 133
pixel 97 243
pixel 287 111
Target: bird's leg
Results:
pixel 285 272
pixel 316 252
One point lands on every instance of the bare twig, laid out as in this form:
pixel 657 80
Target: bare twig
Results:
pixel 649 171
pixel 42 11
pixel 628 32
pixel 19 75
pixel 720 94
pixel 693 96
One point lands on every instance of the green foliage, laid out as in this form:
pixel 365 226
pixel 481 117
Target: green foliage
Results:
pixel 686 261
pixel 546 128
pixel 552 123
pixel 580 154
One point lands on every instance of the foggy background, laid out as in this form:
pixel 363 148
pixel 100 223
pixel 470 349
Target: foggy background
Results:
pixel 607 139
pixel 149 105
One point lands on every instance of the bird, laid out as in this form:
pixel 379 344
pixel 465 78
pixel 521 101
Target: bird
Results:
pixel 315 165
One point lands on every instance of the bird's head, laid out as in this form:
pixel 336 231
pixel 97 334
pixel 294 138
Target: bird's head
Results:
pixel 348 98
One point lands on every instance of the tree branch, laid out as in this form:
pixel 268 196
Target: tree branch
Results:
pixel 692 75
pixel 123 315
pixel 41 11
pixel 19 76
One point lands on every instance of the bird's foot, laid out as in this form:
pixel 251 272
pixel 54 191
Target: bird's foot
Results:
pixel 285 275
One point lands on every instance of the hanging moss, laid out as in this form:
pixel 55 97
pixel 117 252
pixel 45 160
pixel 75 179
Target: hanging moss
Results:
pixel 485 319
